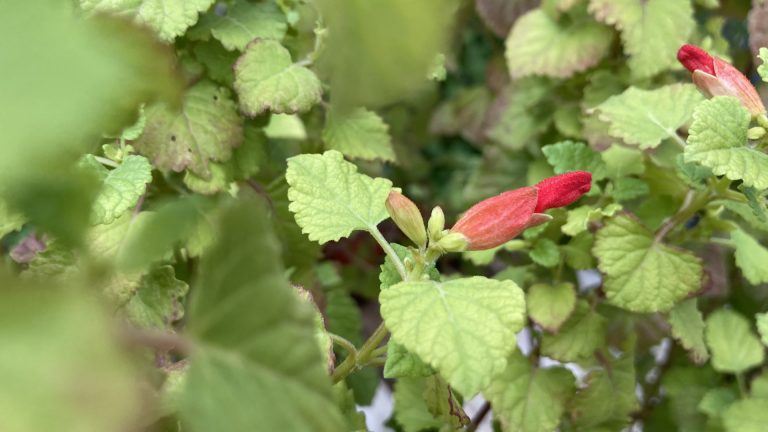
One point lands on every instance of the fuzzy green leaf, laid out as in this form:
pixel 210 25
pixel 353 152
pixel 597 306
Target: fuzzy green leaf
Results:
pixel 358 134
pixel 550 305
pixel 751 257
pixel 528 399
pixel 411 410
pixel 746 415
pixel 762 326
pixel 157 301
pixel 267 79
pixel 651 30
pixel 465 328
pixel 540 45
pixel 642 274
pixel 330 199
pixel 168 18
pixel 646 117
pixel 403 363
pixel 121 189
pixel 688 328
pixel 608 399
pixel 206 129
pixel 241 23
pixel 240 376
pixel 579 218
pixel 568 156
pixel 718 139
pixel 763 68
pixel 578 338
pixel 545 253
pixel 734 346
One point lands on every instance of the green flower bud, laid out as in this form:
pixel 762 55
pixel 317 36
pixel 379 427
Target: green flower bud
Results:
pixel 436 224
pixel 407 217
pixel 756 132
pixel 453 242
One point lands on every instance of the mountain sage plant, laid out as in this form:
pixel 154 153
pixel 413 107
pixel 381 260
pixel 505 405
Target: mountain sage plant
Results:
pixel 384 215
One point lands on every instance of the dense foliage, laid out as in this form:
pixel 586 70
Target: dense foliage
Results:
pixel 247 215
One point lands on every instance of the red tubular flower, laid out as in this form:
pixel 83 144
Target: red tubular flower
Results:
pixel 716 77
pixel 561 190
pixel 497 220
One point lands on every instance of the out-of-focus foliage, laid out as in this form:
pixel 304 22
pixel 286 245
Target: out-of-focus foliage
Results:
pixel 195 233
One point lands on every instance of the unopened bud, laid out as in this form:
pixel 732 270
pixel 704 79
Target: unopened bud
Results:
pixel 453 242
pixel 407 217
pixel 756 132
pixel 716 77
pixel 436 224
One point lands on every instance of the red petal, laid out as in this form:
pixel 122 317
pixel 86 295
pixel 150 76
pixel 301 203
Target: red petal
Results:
pixel 497 220
pixel 695 58
pixel 561 190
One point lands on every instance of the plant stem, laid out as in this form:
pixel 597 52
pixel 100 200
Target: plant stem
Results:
pixel 365 356
pixel 376 234
pixel 348 346
pixel 107 162
pixel 742 385
pixel 692 203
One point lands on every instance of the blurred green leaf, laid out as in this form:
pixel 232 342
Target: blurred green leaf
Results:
pixel 358 134
pixel 157 303
pixel 257 366
pixel 734 346
pixel 379 51
pixel 65 71
pixel 169 18
pixel 61 369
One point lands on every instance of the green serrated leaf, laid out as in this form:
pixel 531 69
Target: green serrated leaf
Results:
pixel 241 23
pixel 763 68
pixel 580 217
pixel 217 61
pixel 762 326
pixel 240 376
pixel 568 156
pixel 545 253
pixel 757 202
pixel 471 351
pixel 745 212
pixel 121 189
pixel 717 139
pixel 609 397
pixel 358 134
pixel 330 199
pixel 578 338
pixel 688 328
pixel 578 252
pixel 623 161
pixel 411 410
pixel 646 117
pixel 266 79
pixel 651 30
pixel 629 188
pixel 733 345
pixel 403 363
pixel 206 129
pixel 550 305
pixel 157 301
pixel 642 274
pixel 716 400
pixel 541 45
pixel 693 173
pixel 529 399
pixel 168 18
pixel 750 256
pixel 746 415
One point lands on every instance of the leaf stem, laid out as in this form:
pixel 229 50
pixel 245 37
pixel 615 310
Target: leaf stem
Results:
pixel 107 162
pixel 348 346
pixel 692 203
pixel 367 355
pixel 376 234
